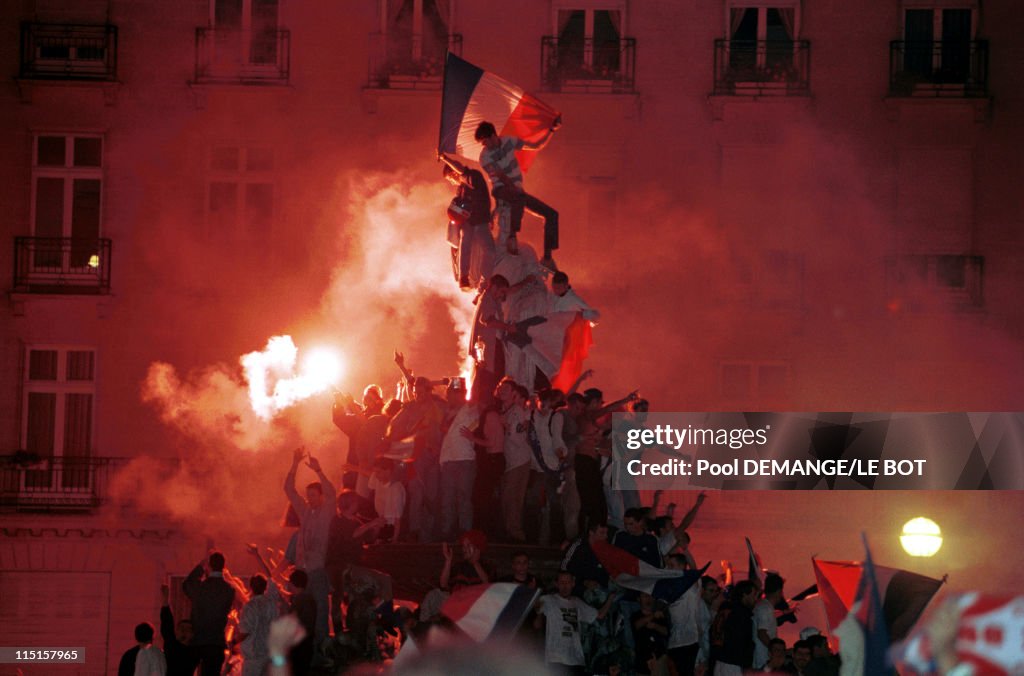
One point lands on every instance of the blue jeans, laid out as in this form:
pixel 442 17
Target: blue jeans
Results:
pixel 423 497
pixel 457 479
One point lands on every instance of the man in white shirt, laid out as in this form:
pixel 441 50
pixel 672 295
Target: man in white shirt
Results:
pixel 547 464
pixel 517 457
pixel 458 465
pixel 564 616
pixel 765 626
pixel 564 299
pixel 388 499
pixel 315 515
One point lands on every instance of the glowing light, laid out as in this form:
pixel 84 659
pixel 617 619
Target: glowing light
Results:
pixel 921 537
pixel 274 383
pixel 94 261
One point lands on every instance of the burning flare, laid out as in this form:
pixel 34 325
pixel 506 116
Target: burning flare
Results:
pixel 274 384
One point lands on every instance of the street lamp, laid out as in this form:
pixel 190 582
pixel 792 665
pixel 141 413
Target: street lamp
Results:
pixel 921 537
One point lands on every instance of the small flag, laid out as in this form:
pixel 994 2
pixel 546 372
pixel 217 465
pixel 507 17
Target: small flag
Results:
pixel 754 571
pixel 628 571
pixel 871 619
pixel 486 611
pixel 471 95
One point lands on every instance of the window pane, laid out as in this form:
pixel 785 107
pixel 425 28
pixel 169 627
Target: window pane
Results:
pixel 42 365
pixel 80 364
pixel 950 271
pixel 85 221
pixel 49 207
pixel 88 152
pixel 259 159
pixel 259 208
pixel 224 200
pixel 51 151
pixel 772 379
pixel 735 381
pixel 228 14
pixel 224 159
pixel 42 412
pixel 264 32
pixel 77 425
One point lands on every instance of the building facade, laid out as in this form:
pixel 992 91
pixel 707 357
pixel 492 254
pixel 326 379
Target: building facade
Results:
pixel 777 205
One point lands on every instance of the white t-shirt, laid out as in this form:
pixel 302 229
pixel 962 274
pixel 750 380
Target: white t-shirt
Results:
pixel 764 618
pixel 517 444
pixel 455 446
pixel 562 637
pixel 388 499
pixel 549 436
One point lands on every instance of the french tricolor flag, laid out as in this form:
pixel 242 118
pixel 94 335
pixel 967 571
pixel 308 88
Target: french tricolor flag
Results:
pixel 472 95
pixel 486 611
pixel 631 572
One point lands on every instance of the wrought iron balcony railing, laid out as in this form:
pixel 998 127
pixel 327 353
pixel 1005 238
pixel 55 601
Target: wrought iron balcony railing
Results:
pixel 226 56
pixel 63 265
pixel 68 52
pixel 762 67
pixel 941 68
pixel 588 65
pixel 393 64
pixel 57 484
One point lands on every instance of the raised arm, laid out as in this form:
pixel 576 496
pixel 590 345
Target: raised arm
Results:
pixel 400 363
pixel 608 408
pixel 330 493
pixel 298 504
pixel 691 515
pixel 166 617
pixel 544 141
pixel 579 381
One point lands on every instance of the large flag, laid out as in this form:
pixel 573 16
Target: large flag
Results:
pixel 904 594
pixel 486 611
pixel 988 636
pixel 632 573
pixel 472 95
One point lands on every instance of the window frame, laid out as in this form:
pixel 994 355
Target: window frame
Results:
pixel 240 228
pixel 68 173
pixel 60 386
pixel 588 7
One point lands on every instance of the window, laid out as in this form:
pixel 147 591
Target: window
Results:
pixel 244 43
pixel 59 386
pixel 409 49
pixel 588 50
pixel 922 282
pixel 939 51
pixel 67 178
pixel 240 203
pixel 762 46
pixel 754 381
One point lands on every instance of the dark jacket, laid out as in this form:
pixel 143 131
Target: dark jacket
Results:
pixel 126 667
pixel 181 660
pixel 211 603
pixel 738 647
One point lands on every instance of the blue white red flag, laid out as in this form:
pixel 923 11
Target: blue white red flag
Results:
pixel 869 615
pixel 486 611
pixel 472 95
pixel 632 573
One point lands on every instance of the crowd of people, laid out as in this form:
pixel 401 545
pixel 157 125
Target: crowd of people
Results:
pixel 521 456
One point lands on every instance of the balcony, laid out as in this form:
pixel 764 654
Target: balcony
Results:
pixel 61 265
pixel 935 282
pixel 939 69
pixel 238 57
pixel 68 52
pixel 403 62
pixel 60 484
pixel 589 67
pixel 762 68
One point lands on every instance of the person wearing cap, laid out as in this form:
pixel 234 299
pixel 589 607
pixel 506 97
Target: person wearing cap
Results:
pixel 498 158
